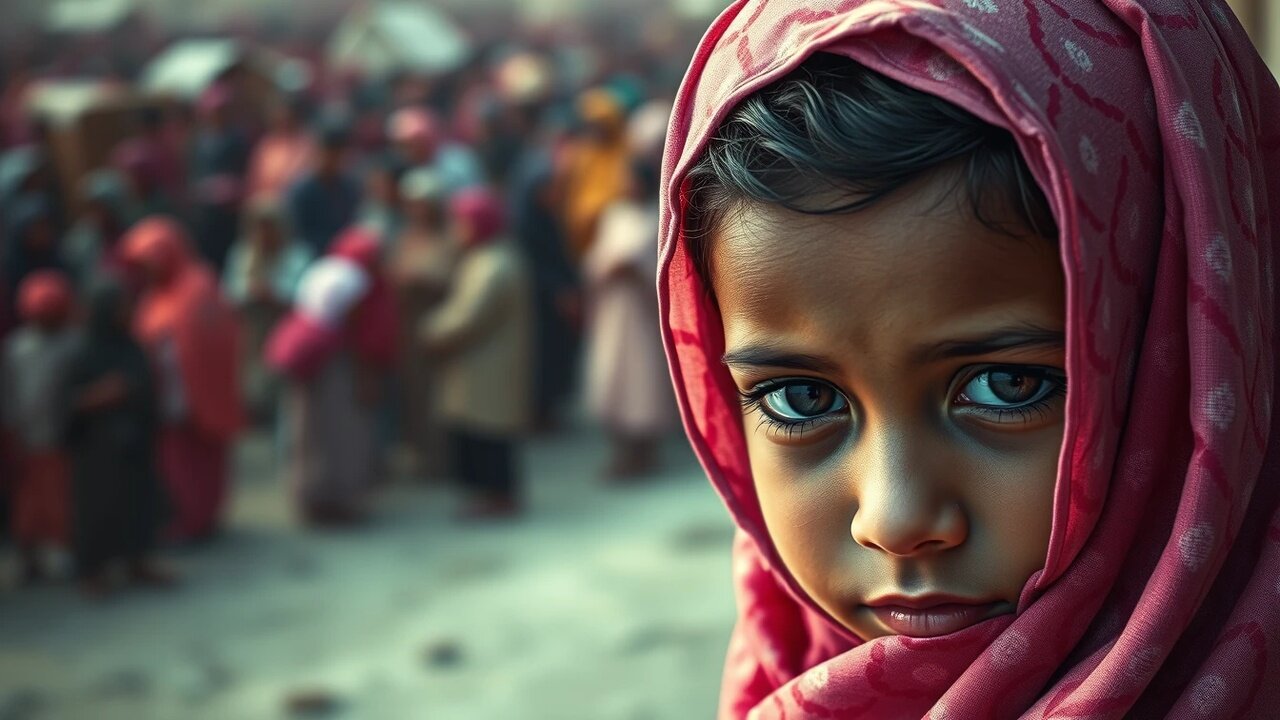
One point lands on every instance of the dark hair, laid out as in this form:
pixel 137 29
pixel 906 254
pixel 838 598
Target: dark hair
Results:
pixel 834 125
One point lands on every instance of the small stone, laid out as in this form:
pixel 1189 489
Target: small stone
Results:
pixel 442 654
pixel 312 702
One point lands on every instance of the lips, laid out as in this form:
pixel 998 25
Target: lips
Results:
pixel 931 615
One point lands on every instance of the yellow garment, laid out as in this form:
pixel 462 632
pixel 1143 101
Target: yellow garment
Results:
pixel 596 170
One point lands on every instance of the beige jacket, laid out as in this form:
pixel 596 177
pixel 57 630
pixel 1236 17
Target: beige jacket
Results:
pixel 482 334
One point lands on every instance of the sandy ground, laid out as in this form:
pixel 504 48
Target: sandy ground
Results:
pixel 604 602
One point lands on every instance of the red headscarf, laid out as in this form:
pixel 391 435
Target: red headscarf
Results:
pixel 181 303
pixel 1151 126
pixel 44 295
pixel 376 324
pixel 482 212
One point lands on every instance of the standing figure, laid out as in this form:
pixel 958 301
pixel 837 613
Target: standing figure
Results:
pixel 421 266
pixel 219 163
pixel 33 374
pixel 193 339
pixel 481 337
pixel 262 274
pixel 335 348
pixel 112 426
pixel 628 385
pixel 282 155
pixel 91 249
pixel 325 200
pixel 596 168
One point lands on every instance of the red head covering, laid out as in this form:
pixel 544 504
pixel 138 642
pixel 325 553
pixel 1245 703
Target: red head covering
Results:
pixel 1150 124
pixel 482 213
pixel 182 304
pixel 416 127
pixel 43 296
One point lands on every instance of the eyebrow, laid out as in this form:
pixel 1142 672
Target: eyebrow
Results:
pixel 769 356
pixel 1019 337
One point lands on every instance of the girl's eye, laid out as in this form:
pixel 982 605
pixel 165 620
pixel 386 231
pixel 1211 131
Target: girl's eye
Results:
pixel 1017 389
pixel 799 401
pixel 793 406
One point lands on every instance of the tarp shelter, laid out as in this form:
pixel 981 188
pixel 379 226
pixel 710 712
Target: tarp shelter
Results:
pixel 187 68
pixel 87 16
pixel 390 37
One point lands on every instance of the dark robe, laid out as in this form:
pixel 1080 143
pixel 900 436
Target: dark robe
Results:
pixel 118 504
pixel 538 232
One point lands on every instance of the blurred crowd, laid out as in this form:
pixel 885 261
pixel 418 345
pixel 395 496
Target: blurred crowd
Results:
pixel 396 275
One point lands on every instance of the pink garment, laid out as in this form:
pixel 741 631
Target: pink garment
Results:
pixel 1151 125
pixel 182 304
pixel 309 337
pixel 279 160
pixel 196 470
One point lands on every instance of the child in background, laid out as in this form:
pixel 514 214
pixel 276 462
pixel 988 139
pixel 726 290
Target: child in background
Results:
pixel 35 363
pixel 891 232
pixel 112 427
pixel 481 337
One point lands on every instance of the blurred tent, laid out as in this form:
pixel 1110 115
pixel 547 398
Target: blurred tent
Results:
pixel 87 16
pixel 187 68
pixel 389 37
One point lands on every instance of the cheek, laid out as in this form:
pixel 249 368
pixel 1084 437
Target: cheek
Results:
pixel 1013 507
pixel 805 511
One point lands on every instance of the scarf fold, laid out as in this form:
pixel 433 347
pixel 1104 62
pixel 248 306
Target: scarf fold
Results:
pixel 1150 126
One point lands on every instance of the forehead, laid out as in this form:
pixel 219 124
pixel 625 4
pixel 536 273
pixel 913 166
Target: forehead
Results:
pixel 909 265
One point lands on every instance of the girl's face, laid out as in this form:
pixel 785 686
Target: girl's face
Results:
pixel 903 397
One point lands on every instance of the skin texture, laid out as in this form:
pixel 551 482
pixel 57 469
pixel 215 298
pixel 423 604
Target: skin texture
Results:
pixel 908 477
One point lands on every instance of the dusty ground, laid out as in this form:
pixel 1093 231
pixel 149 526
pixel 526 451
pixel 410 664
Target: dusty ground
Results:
pixel 602 603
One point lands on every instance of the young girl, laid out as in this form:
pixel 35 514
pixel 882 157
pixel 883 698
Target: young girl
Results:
pixel 33 368
pixel 891 232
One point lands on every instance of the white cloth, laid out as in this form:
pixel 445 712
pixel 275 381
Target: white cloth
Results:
pixel 329 289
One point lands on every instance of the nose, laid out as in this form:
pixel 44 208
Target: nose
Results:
pixel 903 506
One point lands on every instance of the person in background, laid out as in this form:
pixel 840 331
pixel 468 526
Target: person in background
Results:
pixel 326 199
pixel 118 504
pixel 420 265
pixel 481 337
pixel 335 349
pixel 192 336
pixel 34 365
pixel 219 161
pixel 596 167
pixel 420 140
pixel 92 247
pixel 380 212
pixel 537 229
pixel 628 384
pixel 153 166
pixel 30 243
pixel 282 155
pixel 262 274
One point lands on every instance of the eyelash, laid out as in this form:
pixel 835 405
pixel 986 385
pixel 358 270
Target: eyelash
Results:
pixel 753 400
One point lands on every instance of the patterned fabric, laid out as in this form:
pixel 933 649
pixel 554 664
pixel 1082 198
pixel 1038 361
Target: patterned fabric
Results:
pixel 1150 124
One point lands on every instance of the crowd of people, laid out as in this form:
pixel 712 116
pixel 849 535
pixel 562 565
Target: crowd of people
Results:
pixel 404 279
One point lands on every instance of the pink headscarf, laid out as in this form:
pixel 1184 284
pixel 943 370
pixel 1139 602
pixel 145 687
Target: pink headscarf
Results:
pixel 482 212
pixel 45 295
pixel 1151 125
